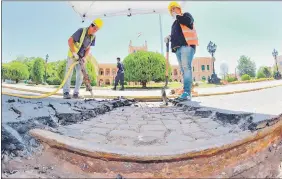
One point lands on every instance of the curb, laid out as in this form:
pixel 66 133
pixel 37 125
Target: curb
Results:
pixel 146 98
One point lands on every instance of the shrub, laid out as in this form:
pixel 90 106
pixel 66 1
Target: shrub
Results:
pixel 231 78
pixel 54 80
pixel 245 77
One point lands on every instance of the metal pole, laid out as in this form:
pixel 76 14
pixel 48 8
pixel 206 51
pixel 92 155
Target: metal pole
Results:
pixel 161 34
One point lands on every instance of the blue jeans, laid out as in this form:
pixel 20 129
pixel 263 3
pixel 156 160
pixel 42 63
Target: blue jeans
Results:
pixel 185 55
pixel 79 77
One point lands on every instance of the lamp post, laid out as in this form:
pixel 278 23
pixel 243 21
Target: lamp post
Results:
pixel 46 60
pixel 277 75
pixel 211 49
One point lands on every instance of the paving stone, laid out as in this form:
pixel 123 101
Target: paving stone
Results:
pixel 168 117
pixel 188 128
pixel 174 127
pixel 171 122
pixel 122 141
pixel 147 140
pixel 133 127
pixel 188 121
pixel 199 134
pixel 175 137
pixel 137 122
pixel 105 125
pixel 114 121
pixel 219 131
pixel 124 133
pixel 78 126
pixel 152 128
pixel 97 130
pixel 210 125
pixel 159 122
pixel 158 134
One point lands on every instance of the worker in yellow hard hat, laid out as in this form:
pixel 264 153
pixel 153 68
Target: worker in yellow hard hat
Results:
pixel 183 40
pixel 79 48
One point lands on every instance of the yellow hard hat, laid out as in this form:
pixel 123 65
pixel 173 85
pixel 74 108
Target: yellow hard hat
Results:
pixel 173 4
pixel 98 22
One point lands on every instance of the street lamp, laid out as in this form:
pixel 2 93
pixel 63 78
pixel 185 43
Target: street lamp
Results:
pixel 211 49
pixel 277 75
pixel 47 56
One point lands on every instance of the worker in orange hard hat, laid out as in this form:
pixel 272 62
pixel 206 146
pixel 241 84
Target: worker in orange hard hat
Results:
pixel 79 48
pixel 184 40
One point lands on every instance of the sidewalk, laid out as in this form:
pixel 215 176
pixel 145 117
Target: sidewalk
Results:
pixel 228 89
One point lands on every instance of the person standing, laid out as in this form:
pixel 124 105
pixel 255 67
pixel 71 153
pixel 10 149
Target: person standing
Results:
pixel 79 48
pixel 120 75
pixel 184 40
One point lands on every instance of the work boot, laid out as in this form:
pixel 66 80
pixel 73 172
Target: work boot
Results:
pixel 67 95
pixel 76 96
pixel 114 88
pixel 184 97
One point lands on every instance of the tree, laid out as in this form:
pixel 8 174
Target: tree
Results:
pixel 37 71
pixel 17 71
pixel 224 69
pixel 246 66
pixel 5 69
pixel 264 72
pixel 144 67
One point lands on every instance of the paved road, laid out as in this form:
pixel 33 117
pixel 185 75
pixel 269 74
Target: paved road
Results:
pixel 227 88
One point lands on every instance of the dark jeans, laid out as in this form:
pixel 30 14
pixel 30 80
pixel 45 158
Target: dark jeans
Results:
pixel 119 78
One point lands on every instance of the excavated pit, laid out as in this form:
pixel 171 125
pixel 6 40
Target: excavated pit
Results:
pixel 160 126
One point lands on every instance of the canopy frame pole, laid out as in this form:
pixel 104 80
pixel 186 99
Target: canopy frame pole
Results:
pixel 161 34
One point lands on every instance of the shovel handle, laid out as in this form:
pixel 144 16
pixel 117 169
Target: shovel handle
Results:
pixel 167 58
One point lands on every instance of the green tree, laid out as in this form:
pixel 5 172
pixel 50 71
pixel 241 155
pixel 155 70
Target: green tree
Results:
pixel 246 66
pixel 37 72
pixel 17 71
pixel 264 72
pixel 5 69
pixel 144 67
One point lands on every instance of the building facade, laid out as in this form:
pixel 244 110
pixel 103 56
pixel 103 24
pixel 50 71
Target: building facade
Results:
pixel 202 68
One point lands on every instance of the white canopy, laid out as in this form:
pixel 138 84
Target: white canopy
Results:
pixel 93 9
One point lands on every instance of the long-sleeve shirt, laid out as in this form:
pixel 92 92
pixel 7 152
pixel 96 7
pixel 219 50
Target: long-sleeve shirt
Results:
pixel 177 37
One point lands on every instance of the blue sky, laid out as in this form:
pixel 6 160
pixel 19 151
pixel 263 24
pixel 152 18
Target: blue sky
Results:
pixel 238 28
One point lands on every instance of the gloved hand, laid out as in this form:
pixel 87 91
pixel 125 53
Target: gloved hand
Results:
pixel 167 39
pixel 75 56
